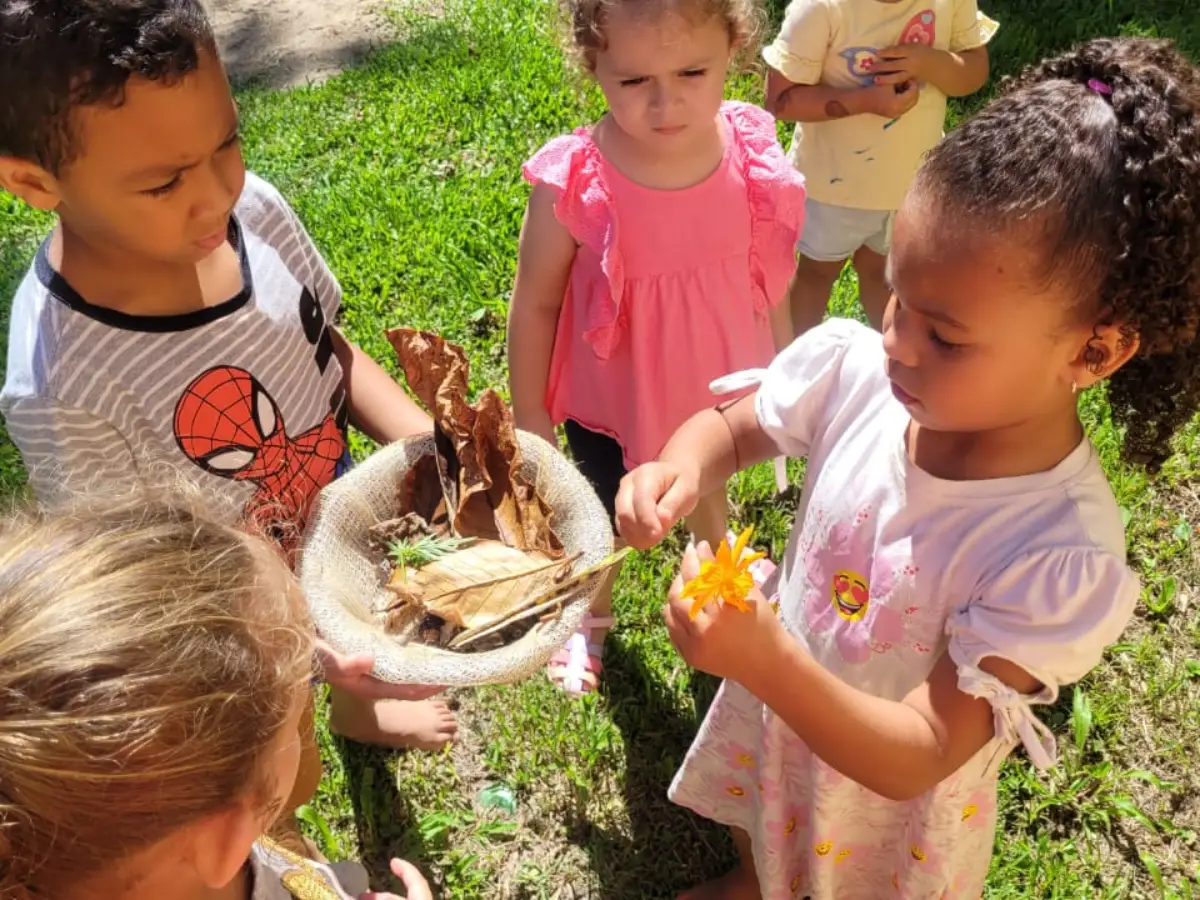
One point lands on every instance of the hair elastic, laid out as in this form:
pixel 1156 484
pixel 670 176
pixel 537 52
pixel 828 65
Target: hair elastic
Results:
pixel 1099 87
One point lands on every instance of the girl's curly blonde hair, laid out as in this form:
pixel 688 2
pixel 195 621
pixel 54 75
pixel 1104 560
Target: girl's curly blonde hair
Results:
pixel 148 658
pixel 585 21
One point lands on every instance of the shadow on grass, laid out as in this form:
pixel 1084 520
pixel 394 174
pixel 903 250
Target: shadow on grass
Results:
pixel 657 705
pixel 384 821
pixel 670 848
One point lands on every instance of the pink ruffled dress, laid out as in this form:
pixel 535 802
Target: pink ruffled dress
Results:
pixel 669 290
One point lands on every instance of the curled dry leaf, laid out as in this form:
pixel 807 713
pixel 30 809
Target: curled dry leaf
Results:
pixel 478 459
pixel 421 493
pixel 480 584
pixel 522 517
pixel 409 527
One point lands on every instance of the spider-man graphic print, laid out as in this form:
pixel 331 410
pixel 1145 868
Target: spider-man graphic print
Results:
pixel 230 426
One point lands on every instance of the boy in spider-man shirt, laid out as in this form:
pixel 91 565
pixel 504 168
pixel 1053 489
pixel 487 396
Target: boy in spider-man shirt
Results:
pixel 178 318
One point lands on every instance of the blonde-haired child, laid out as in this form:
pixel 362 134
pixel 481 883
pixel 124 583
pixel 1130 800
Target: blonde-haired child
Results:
pixel 156 668
pixel 655 254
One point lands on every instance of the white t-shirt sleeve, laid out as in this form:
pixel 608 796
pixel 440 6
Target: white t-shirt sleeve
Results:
pixel 795 392
pixel 67 450
pixel 1051 612
pixel 798 52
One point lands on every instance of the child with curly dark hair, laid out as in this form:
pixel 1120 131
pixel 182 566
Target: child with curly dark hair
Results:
pixel 958 556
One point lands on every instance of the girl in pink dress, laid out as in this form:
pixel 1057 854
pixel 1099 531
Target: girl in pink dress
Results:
pixel 656 248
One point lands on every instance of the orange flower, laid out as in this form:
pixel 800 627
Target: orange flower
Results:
pixel 726 578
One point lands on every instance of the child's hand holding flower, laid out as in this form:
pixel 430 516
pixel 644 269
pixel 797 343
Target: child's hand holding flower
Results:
pixel 730 638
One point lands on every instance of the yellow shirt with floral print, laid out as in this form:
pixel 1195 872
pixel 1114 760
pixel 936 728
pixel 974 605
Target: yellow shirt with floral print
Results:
pixel 865 161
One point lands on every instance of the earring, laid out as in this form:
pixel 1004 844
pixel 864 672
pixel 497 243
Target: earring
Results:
pixel 1074 388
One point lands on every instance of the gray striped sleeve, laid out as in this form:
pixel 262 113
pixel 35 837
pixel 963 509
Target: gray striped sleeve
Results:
pixel 67 450
pixel 273 219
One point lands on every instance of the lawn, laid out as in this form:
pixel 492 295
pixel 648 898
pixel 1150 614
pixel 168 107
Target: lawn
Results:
pixel 406 172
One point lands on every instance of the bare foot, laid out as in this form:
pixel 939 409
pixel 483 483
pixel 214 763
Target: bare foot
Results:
pixel 740 884
pixel 402 724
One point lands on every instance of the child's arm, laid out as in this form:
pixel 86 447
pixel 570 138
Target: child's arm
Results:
pixel 782 330
pixel 796 60
pixel 783 417
pixel 955 74
pixel 546 253
pixel 700 457
pixel 792 102
pixel 379 407
pixel 898 749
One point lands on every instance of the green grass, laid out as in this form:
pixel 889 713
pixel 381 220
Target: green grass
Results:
pixel 406 172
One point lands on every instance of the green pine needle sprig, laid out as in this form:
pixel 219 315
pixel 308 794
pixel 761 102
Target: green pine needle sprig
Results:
pixel 424 550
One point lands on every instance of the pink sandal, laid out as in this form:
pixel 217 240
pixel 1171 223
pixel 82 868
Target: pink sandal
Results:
pixel 580 663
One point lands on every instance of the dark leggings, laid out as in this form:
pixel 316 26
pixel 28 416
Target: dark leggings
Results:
pixel 601 460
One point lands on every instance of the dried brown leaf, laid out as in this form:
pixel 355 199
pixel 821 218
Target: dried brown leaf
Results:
pixel 478 457
pixel 549 605
pixel 401 619
pixel 436 370
pixel 522 516
pixel 421 490
pixel 480 584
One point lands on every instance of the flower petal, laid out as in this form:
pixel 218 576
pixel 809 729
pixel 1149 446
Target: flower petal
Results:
pixel 740 547
pixel 747 561
pixel 702 582
pixel 738 603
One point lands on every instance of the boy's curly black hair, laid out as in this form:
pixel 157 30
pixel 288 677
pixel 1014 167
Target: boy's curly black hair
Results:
pixel 1097 153
pixel 57 55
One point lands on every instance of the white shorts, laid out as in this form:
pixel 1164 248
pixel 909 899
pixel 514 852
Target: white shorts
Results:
pixel 834 233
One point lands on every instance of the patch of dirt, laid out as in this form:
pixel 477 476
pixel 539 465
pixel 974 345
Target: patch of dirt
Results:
pixel 283 43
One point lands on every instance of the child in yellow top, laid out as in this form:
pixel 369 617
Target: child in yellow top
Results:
pixel 866 82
